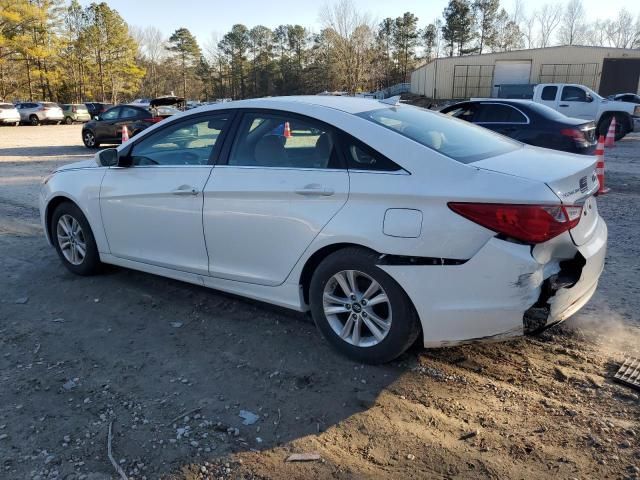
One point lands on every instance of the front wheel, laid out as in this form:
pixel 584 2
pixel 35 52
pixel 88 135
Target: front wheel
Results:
pixel 34 120
pixel 73 239
pixel 89 139
pixel 360 309
pixel 68 120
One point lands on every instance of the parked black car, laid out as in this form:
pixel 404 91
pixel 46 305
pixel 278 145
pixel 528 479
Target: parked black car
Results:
pixel 530 123
pixel 108 127
pixel 96 108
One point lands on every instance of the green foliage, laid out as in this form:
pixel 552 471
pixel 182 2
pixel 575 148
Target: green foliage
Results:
pixel 458 29
pixel 49 51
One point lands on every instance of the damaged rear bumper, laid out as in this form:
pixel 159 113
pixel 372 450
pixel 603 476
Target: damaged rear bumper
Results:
pixel 505 290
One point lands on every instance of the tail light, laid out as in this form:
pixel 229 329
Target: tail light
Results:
pixel 74 109
pixel 527 223
pixel 154 119
pixel 575 133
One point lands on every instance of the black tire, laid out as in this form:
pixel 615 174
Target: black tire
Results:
pixel 90 264
pixel 405 325
pixel 68 120
pixel 622 125
pixel 89 139
pixel 34 121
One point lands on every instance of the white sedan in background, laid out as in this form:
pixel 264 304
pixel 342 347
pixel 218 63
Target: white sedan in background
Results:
pixel 388 222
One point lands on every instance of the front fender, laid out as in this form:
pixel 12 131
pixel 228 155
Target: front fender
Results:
pixel 82 187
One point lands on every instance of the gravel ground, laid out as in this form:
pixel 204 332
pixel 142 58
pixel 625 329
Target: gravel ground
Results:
pixel 173 367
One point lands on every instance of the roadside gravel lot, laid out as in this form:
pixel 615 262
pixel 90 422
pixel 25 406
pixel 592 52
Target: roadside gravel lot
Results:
pixel 173 366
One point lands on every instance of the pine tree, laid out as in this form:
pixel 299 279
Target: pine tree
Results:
pixel 458 27
pixel 184 45
pixel 486 12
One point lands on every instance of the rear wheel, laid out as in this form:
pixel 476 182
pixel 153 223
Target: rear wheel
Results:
pixel 73 239
pixel 34 120
pixel 360 309
pixel 68 120
pixel 89 139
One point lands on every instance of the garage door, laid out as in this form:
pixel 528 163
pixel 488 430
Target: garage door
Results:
pixel 511 72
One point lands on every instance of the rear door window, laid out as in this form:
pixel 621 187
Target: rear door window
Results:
pixel 549 93
pixel 280 140
pixel 128 112
pixel 498 113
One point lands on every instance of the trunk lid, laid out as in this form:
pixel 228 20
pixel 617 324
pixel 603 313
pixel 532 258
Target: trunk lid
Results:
pixel 571 177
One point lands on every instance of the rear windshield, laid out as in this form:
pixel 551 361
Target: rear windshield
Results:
pixel 80 108
pixel 457 139
pixel 6 106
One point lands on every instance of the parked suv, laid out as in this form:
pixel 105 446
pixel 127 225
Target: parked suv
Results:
pixel 9 115
pixel 35 113
pixel 75 112
pixel 96 108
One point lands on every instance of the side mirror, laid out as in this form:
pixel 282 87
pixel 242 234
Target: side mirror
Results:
pixel 108 157
pixel 589 98
pixel 96 117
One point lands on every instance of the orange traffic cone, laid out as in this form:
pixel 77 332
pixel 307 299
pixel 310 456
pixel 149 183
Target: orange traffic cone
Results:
pixel 600 165
pixel 287 130
pixel 611 134
pixel 125 134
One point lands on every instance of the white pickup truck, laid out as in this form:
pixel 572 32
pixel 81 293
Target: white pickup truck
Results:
pixel 579 101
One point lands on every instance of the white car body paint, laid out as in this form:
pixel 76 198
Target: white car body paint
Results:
pixel 484 296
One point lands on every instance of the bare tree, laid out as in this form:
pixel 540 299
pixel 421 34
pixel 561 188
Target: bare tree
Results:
pixel 621 31
pixel 572 25
pixel 527 27
pixel 351 34
pixel 596 33
pixel 548 18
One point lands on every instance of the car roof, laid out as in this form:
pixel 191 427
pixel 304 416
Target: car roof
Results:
pixel 352 105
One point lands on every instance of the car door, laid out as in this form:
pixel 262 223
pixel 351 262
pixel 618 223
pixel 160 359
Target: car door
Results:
pixel 574 102
pixel 152 210
pixel 281 183
pixel 127 117
pixel 549 96
pixel 106 126
pixel 502 118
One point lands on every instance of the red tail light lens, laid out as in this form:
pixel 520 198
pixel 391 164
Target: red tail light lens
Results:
pixel 527 223
pixel 155 119
pixel 575 133
pixel 74 109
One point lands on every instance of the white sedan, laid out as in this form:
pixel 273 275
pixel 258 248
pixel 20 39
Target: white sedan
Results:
pixel 388 222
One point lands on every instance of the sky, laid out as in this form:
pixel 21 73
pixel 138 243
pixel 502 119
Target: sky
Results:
pixel 206 17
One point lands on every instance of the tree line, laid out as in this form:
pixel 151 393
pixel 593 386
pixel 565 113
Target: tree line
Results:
pixel 59 51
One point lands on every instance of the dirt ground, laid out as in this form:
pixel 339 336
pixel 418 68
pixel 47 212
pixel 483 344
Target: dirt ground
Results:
pixel 172 367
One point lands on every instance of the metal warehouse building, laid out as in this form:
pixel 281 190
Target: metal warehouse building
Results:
pixel 605 70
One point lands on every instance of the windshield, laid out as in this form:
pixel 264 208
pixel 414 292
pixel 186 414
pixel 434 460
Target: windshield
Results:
pixel 454 138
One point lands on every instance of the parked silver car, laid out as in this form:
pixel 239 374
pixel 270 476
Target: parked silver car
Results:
pixel 35 113
pixel 9 115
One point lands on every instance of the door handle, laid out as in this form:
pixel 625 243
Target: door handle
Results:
pixel 185 190
pixel 563 105
pixel 315 189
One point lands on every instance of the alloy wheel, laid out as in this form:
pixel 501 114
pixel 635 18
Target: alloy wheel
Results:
pixel 89 139
pixel 357 308
pixel 71 239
